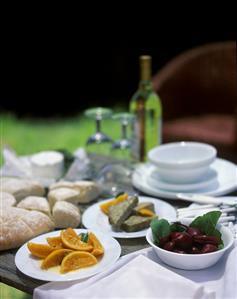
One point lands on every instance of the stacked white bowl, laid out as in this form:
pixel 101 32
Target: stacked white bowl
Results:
pixel 182 162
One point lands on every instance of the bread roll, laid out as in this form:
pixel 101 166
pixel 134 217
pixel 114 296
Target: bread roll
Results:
pixel 19 225
pixel 36 203
pixel 88 190
pixel 6 200
pixel 66 214
pixel 62 184
pixel 63 194
pixel 21 188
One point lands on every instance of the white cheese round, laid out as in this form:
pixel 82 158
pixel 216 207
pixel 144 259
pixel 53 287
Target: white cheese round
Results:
pixel 48 164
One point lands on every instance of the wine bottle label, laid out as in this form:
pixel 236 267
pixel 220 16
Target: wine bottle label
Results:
pixel 159 131
pixel 138 147
pixel 135 140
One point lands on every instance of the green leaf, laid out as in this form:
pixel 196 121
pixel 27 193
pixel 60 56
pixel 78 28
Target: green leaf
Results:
pixel 160 228
pixel 177 227
pixel 119 193
pixel 84 237
pixel 207 224
pixel 220 246
pixel 217 234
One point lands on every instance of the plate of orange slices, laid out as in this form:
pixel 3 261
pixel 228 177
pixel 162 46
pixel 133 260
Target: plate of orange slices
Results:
pixel 67 255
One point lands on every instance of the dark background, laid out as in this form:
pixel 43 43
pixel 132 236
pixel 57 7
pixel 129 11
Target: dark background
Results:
pixel 54 73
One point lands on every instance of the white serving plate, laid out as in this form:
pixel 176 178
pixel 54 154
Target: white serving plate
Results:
pixel 225 183
pixel 93 218
pixel 30 265
pixel 155 181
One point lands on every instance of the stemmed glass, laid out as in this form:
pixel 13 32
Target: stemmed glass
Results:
pixel 99 142
pixel 116 177
pixel 122 148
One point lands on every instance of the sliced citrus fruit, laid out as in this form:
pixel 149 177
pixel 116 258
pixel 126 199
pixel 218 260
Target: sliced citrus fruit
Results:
pixel 55 242
pixel 98 248
pixel 77 260
pixel 146 212
pixel 39 250
pixel 55 258
pixel 71 240
pixel 105 206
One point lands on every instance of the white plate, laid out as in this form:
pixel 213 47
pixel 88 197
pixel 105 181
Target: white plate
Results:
pixel 155 181
pixel 225 183
pixel 30 266
pixel 93 218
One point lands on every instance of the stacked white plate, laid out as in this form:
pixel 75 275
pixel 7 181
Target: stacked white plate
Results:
pixel 185 167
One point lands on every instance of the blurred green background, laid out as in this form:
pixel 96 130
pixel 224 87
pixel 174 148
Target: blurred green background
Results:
pixel 28 136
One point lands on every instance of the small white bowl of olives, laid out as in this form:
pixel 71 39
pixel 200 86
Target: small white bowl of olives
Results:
pixel 188 247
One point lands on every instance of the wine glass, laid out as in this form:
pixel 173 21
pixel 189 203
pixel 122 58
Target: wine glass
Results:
pixel 114 178
pixel 99 142
pixel 122 148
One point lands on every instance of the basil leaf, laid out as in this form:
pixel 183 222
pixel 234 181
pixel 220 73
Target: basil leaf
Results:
pixel 84 237
pixel 119 193
pixel 177 227
pixel 217 234
pixel 220 246
pixel 207 224
pixel 160 228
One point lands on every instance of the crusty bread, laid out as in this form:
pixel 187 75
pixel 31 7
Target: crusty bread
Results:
pixel 6 200
pixel 66 214
pixel 63 194
pixel 88 190
pixel 61 184
pixel 21 188
pixel 35 203
pixel 19 225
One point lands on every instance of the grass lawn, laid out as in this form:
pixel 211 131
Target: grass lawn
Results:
pixel 27 136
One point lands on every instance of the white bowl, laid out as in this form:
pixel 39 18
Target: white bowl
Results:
pixel 182 162
pixel 192 261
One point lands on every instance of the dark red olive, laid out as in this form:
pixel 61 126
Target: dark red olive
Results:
pixel 163 240
pixel 208 248
pixel 169 246
pixel 183 240
pixel 179 251
pixel 204 239
pixel 195 250
pixel 193 231
pixel 174 235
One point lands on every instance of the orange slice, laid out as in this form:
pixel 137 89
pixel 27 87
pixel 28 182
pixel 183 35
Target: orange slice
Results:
pixel 55 242
pixel 105 206
pixel 98 248
pixel 146 212
pixel 71 240
pixel 55 258
pixel 39 250
pixel 77 260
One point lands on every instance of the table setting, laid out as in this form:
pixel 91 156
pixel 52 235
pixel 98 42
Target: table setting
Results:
pixel 93 219
pixel 126 218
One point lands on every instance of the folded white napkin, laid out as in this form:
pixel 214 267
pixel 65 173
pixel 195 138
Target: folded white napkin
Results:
pixel 142 275
pixel 142 278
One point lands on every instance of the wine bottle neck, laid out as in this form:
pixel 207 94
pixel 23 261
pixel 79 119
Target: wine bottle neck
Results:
pixel 145 68
pixel 145 85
